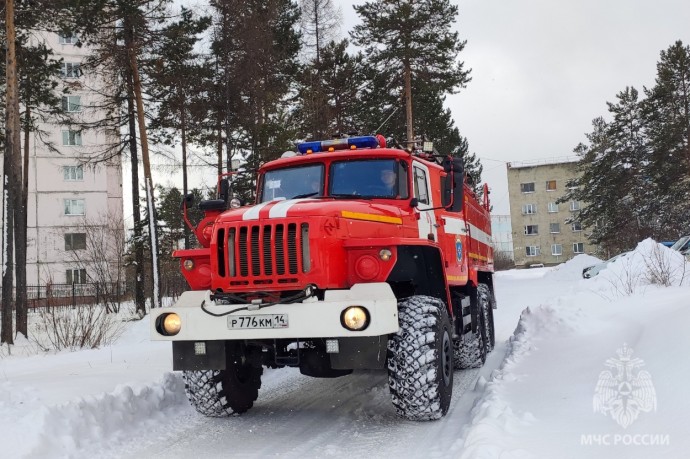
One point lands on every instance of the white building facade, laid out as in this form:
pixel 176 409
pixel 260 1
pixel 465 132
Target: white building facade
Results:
pixel 68 192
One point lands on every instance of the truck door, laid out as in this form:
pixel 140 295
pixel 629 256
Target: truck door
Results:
pixel 426 222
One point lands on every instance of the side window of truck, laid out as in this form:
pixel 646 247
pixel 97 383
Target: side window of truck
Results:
pixel 421 190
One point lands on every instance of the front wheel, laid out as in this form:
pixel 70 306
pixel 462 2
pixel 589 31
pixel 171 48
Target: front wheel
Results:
pixel 420 359
pixel 219 393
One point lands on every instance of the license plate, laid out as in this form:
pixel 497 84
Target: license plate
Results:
pixel 258 321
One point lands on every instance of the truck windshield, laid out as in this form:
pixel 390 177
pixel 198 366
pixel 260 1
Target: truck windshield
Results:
pixel 293 182
pixel 371 178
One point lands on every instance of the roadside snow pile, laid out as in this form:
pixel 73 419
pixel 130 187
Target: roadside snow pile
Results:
pixel 649 264
pixel 572 269
pixel 62 430
pixel 571 364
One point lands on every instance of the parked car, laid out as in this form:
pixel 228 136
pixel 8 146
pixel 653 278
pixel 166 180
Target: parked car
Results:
pixel 591 271
pixel 682 245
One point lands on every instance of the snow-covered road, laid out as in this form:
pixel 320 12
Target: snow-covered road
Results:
pixel 533 398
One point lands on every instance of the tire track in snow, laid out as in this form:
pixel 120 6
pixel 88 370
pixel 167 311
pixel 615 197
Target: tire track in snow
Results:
pixel 298 416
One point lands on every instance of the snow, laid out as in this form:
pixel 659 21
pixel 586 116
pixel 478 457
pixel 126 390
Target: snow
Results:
pixel 556 335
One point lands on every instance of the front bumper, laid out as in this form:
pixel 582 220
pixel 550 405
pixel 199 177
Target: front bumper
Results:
pixel 309 319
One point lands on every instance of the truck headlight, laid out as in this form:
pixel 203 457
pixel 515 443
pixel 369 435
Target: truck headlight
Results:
pixel 168 324
pixel 355 318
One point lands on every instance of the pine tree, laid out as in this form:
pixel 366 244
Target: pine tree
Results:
pixel 256 51
pixel 668 127
pixel 175 69
pixel 120 50
pixel 613 183
pixel 411 41
pixel 330 93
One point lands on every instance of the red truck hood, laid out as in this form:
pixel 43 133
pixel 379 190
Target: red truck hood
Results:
pixel 307 207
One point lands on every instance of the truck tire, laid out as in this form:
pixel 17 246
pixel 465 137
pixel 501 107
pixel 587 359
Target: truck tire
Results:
pixel 470 349
pixel 488 303
pixel 420 359
pixel 219 393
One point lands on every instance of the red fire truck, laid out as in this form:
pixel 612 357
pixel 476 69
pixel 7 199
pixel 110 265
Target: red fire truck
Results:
pixel 354 256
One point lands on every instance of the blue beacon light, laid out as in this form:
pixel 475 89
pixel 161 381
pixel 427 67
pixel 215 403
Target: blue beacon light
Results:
pixel 352 143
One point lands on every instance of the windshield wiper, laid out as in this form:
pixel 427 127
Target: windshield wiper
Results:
pixel 349 196
pixel 305 195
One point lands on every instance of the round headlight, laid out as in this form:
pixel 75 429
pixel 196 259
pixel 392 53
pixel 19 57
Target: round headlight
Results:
pixel 355 318
pixel 189 265
pixel 169 324
pixel 235 203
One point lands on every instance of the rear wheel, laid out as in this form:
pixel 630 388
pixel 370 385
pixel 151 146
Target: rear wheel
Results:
pixel 219 393
pixel 420 359
pixel 470 349
pixel 487 302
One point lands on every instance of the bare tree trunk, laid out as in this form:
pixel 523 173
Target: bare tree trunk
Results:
pixel 139 281
pixel 20 235
pixel 183 132
pixel 153 231
pixel 139 297
pixel 408 104
pixel 10 175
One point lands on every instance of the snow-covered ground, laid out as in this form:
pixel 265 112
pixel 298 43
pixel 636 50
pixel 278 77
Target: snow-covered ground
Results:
pixel 582 368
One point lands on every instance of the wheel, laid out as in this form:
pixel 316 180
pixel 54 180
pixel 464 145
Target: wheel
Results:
pixel 487 306
pixel 219 393
pixel 420 359
pixel 470 350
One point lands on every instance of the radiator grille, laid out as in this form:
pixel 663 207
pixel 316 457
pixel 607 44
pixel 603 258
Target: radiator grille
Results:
pixel 262 251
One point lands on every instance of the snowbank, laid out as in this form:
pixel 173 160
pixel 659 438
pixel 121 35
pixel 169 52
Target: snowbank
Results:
pixel 540 402
pixel 572 269
pixel 37 430
pixel 649 264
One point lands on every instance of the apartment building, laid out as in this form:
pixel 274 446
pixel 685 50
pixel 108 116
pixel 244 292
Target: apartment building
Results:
pixel 543 230
pixel 502 235
pixel 68 195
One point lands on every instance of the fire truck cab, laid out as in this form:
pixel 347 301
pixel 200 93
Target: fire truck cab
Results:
pixel 354 256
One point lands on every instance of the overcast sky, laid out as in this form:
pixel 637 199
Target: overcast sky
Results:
pixel 543 69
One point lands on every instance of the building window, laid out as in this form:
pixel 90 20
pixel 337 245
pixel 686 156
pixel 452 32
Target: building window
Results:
pixel 571 184
pixel 71 70
pixel 73 173
pixel 68 38
pixel 71 138
pixel 74 207
pixel 556 250
pixel 528 209
pixel 71 103
pixel 532 251
pixel 574 205
pixel 75 241
pixel 551 185
pixel 554 227
pixel 75 276
pixel 553 207
pixel 577 226
pixel 527 187
pixel 578 247
pixel 531 229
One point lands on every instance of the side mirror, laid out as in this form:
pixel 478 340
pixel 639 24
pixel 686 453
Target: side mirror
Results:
pixel 224 190
pixel 414 203
pixel 187 201
pixel 452 184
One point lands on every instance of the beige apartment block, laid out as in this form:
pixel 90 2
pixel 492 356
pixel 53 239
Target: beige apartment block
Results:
pixel 67 192
pixel 544 231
